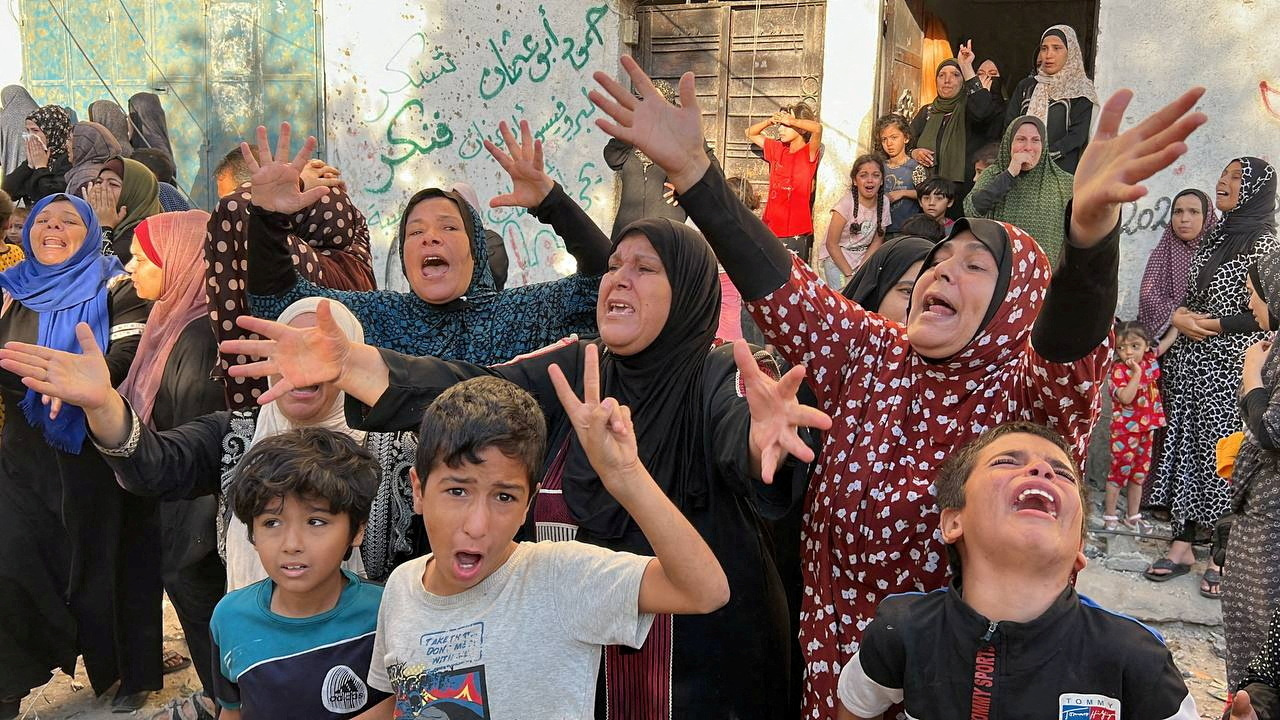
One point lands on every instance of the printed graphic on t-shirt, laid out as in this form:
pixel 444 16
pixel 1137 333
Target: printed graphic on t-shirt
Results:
pixel 445 679
pixel 343 691
pixel 1073 706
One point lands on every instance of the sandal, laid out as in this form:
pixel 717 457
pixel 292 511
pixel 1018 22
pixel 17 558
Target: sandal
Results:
pixel 172 661
pixel 1211 584
pixel 1110 522
pixel 1137 524
pixel 1173 570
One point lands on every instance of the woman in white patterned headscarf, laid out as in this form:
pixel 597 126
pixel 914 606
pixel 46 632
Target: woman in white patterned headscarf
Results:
pixel 1060 94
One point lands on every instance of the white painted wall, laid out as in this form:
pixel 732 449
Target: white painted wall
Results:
pixel 413 87
pixel 850 63
pixel 1161 48
pixel 10 44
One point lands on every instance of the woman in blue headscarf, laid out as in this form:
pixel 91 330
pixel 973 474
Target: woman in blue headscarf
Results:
pixel 79 557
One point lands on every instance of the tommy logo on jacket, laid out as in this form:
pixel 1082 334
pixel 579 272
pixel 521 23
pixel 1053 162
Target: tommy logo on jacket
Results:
pixel 1072 706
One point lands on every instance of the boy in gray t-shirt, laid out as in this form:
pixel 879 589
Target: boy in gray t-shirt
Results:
pixel 485 627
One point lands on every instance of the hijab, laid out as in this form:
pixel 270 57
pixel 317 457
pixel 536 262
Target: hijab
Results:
pixel 109 115
pixel 175 243
pixel 1265 274
pixel 139 196
pixel 1069 82
pixel 662 384
pixel 151 129
pixel 481 277
pixel 947 143
pixel 886 266
pixel 92 146
pixel 56 125
pixel 1164 281
pixel 71 292
pixel 1037 198
pixel 17 107
pixel 1253 217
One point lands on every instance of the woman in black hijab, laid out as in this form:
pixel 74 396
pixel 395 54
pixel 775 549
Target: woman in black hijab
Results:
pixel 657 313
pixel 883 283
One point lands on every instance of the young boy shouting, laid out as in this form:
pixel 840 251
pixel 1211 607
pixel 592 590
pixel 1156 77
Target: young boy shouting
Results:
pixel 486 627
pixel 1010 638
pixel 298 643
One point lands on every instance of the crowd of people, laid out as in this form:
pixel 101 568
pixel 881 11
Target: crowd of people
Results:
pixel 592 497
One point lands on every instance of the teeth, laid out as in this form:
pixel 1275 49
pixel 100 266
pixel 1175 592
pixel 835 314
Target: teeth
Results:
pixel 1037 492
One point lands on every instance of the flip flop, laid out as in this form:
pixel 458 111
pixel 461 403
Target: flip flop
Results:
pixel 169 666
pixel 1175 570
pixel 1212 578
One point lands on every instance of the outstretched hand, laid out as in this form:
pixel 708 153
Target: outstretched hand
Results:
pixel 776 415
pixel 603 426
pixel 298 357
pixel 1114 164
pixel 530 183
pixel 275 180
pixel 670 136
pixel 62 377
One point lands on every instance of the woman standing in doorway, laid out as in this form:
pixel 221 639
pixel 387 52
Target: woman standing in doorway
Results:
pixel 1060 94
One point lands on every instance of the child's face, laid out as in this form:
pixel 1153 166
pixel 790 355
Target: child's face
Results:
pixel 868 180
pixel 1131 347
pixel 935 205
pixel 893 141
pixel 1022 505
pixel 13 233
pixel 1258 306
pixel 301 543
pixel 471 514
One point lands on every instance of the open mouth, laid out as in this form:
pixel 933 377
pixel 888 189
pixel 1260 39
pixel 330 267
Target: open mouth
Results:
pixel 620 309
pixel 1034 499
pixel 305 393
pixel 434 266
pixel 53 242
pixel 467 564
pixel 938 306
pixel 294 570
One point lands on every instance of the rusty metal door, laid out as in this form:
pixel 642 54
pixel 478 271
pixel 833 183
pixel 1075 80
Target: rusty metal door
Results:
pixel 220 67
pixel 748 59
pixel 901 58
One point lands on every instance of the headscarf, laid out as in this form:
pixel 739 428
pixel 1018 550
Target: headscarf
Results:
pixel 662 384
pixel 1037 198
pixel 174 242
pixel 951 160
pixel 481 277
pixel 1265 274
pixel 1069 82
pixel 56 125
pixel 92 145
pixel 1253 216
pixel 71 292
pixel 18 106
pixel 332 227
pixel 877 276
pixel 139 195
pixel 1164 281
pixel 151 129
pixel 108 114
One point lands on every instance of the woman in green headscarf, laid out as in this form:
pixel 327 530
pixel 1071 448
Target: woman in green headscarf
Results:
pixel 1025 187
pixel 125 194
pixel 948 131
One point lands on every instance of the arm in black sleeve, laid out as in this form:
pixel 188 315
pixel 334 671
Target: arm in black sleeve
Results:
pixel 1081 303
pixel 172 464
pixel 751 254
pixel 1079 119
pixel 128 317
pixel 1242 323
pixel 1013 109
pixel 917 127
pixel 582 238
pixel 271 269
pixel 616 152
pixel 1253 408
pixel 981 104
pixel 413 383
pixel 16 179
pixel 985 196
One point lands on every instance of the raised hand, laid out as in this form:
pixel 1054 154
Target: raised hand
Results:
pixel 63 377
pixel 776 415
pixel 275 179
pixel 965 55
pixel 530 184
pixel 318 173
pixel 105 201
pixel 1114 164
pixel 603 426
pixel 37 153
pixel 670 136
pixel 298 357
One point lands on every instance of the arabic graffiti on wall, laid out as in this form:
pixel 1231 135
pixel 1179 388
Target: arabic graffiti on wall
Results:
pixel 411 108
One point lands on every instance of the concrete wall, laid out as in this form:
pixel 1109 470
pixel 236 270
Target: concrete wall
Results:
pixel 850 65
pixel 1159 49
pixel 414 87
pixel 10 44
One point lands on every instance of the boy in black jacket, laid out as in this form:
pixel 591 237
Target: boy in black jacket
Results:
pixel 1011 638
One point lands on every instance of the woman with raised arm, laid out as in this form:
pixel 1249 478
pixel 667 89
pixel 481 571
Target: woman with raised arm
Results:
pixel 990 337
pixel 454 310
pixel 79 557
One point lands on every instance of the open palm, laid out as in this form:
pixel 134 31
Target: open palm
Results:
pixel 298 357
pixel 275 179
pixel 604 428
pixel 530 183
pixel 76 379
pixel 776 415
